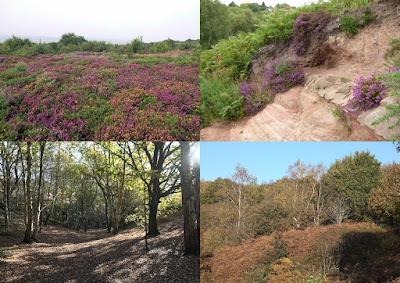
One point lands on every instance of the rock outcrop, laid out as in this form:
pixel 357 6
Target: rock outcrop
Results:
pixel 332 63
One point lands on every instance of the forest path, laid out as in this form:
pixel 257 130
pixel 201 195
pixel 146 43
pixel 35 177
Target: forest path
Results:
pixel 64 255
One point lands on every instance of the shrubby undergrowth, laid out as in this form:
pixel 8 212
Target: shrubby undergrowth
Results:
pixel 280 76
pixel 220 99
pixel 70 42
pixel 351 25
pixel 87 97
pixel 306 24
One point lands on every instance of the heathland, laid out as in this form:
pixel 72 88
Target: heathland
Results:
pixel 316 224
pixel 82 90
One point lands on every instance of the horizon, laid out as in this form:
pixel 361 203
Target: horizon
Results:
pixel 272 3
pixel 48 39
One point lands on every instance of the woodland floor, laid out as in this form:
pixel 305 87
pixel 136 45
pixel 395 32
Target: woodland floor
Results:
pixel 64 255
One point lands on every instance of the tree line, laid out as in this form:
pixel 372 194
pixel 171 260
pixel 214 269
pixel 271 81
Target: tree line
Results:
pixel 100 185
pixel 220 21
pixel 355 188
pixel 70 42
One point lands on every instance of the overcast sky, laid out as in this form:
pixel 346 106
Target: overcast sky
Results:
pixel 293 3
pixel 118 19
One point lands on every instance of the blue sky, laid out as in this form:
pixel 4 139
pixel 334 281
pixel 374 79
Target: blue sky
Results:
pixel 270 160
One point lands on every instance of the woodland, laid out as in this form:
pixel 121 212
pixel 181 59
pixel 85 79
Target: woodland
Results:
pixel 99 211
pixel 317 224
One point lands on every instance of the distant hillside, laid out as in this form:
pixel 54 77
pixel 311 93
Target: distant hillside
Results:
pixel 356 252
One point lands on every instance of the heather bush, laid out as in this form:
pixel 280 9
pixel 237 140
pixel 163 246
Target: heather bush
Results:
pixel 306 24
pixel 86 97
pixel 367 94
pixel 282 74
pixel 255 97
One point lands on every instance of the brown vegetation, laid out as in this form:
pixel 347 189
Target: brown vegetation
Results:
pixel 231 263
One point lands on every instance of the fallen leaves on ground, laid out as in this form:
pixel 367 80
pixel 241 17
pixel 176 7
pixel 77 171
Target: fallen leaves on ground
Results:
pixel 64 255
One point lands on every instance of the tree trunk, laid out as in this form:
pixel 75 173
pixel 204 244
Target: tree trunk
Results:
pixel 6 183
pixel 154 200
pixel 55 186
pixel 196 171
pixel 192 243
pixel 108 222
pixel 37 211
pixel 28 230
pixel 119 200
pixel 145 220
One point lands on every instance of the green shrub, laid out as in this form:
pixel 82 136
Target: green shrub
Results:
pixel 350 25
pixel 367 17
pixel 395 44
pixel 20 67
pixel 219 99
pixel 392 80
pixel 280 246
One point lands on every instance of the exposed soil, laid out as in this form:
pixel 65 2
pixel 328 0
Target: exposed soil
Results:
pixel 296 115
pixel 63 255
pixel 332 63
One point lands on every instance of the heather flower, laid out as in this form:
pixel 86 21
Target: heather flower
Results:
pixel 393 70
pixel 306 24
pixel 280 76
pixel 255 97
pixel 89 97
pixel 367 94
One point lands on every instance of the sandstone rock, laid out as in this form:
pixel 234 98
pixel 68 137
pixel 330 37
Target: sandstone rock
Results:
pixel 296 115
pixel 381 129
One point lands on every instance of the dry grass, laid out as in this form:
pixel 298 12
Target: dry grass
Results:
pixel 230 264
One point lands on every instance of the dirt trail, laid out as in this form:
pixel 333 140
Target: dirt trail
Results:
pixel 62 255
pixel 305 113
